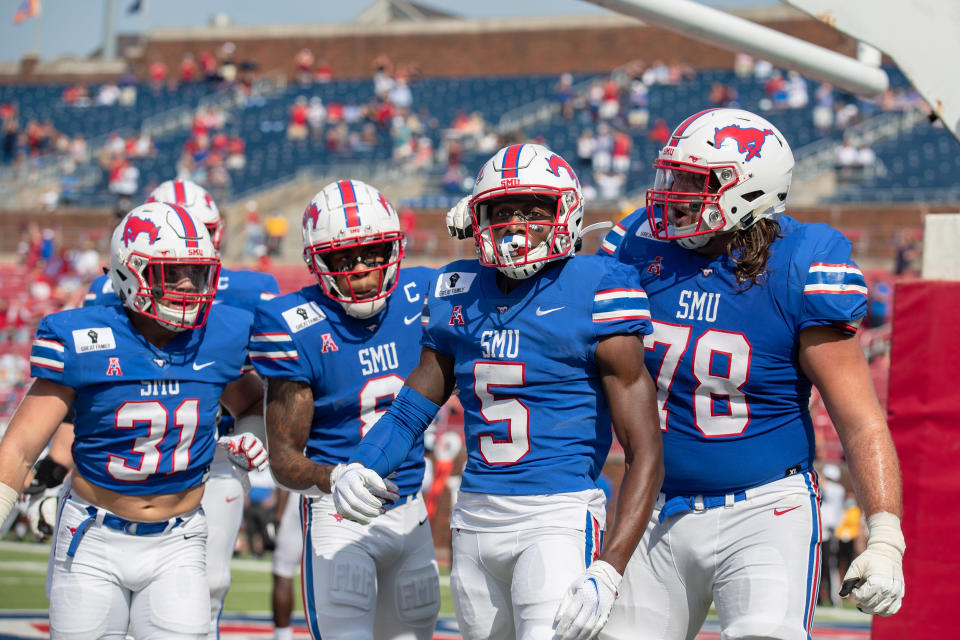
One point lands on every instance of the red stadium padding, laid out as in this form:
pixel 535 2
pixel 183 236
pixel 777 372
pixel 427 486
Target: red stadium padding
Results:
pixel 923 407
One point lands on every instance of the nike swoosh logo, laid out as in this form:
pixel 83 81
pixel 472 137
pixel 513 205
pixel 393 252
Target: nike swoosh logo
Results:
pixel 411 320
pixel 197 367
pixel 232 499
pixel 543 312
pixel 422 521
pixel 780 512
pixel 187 536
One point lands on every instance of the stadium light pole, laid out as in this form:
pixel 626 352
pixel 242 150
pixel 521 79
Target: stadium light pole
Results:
pixel 721 29
pixel 109 30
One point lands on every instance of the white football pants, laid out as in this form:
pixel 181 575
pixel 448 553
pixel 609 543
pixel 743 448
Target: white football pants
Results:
pixel 509 584
pixel 289 549
pixel 369 581
pixel 223 498
pixel 155 584
pixel 757 559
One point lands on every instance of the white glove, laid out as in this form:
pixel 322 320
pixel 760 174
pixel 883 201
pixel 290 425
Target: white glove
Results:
pixel 42 512
pixel 875 577
pixel 460 220
pixel 587 604
pixel 245 450
pixel 359 493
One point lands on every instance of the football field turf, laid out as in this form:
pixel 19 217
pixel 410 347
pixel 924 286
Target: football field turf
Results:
pixel 23 605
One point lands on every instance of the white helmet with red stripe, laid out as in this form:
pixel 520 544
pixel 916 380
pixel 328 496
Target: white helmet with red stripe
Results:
pixel 163 265
pixel 722 169
pixel 350 214
pixel 196 199
pixel 527 171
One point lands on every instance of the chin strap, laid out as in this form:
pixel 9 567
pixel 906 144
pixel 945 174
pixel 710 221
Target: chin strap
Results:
pixel 605 224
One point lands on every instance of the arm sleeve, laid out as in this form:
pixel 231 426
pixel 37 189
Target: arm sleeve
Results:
pixel 834 290
pixel 387 443
pixel 272 349
pixel 620 304
pixel 48 354
pixel 610 245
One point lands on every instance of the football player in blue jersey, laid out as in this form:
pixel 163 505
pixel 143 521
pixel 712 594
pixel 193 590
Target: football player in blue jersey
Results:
pixel 546 348
pixel 334 355
pixel 751 308
pixel 227 484
pixel 145 379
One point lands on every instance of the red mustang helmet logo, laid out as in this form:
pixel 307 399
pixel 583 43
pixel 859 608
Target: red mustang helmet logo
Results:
pixel 749 140
pixel 135 226
pixel 556 163
pixel 311 213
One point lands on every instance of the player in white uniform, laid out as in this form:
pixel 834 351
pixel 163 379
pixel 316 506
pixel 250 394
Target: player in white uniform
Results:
pixel 145 379
pixel 334 354
pixel 545 348
pixel 286 558
pixel 751 308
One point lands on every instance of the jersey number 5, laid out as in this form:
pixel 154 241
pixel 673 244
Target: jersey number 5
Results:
pixel 720 367
pixel 502 409
pixel 155 415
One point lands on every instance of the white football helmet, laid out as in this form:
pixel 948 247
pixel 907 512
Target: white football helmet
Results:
pixel 727 168
pixel 153 251
pixel 196 199
pixel 344 215
pixel 518 171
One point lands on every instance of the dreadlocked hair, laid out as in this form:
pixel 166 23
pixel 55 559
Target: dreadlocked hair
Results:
pixel 750 249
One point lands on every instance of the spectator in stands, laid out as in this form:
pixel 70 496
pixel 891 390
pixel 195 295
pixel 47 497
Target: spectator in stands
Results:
pixel 157 74
pixel 603 153
pixel 277 226
pixel 400 95
pixel 908 254
pixel 254 237
pixel 303 61
pixel 638 115
pixel 382 76
pixel 610 105
pixel 208 66
pixel 610 185
pixel 316 116
pixel 660 133
pixel 879 301
pixel 108 95
pixel 622 144
pixel 586 146
pixel 297 129
pixel 823 108
pixel 188 69
pixel 226 66
pixel 236 153
pixel 324 72
pixel 743 65
pixel 564 94
pixel 10 130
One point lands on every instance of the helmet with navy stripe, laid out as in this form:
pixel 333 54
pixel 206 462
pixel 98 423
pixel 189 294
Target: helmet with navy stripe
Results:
pixel 163 265
pixel 527 172
pixel 351 231
pixel 721 170
pixel 195 198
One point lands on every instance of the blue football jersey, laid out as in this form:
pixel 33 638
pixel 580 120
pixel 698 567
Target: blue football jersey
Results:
pixel 536 419
pixel 732 397
pixel 610 245
pixel 245 289
pixel 100 292
pixel 237 287
pixel 355 367
pixel 145 416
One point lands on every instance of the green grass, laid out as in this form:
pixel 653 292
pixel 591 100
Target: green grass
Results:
pixel 23 569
